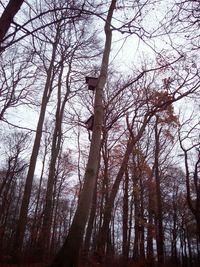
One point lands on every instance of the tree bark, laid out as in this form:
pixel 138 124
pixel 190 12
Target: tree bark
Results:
pixel 68 255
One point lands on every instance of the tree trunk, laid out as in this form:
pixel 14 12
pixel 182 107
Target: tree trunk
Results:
pixel 125 251
pixel 174 252
pixel 7 18
pixel 47 219
pixel 189 248
pixel 34 228
pixel 17 248
pixel 136 213
pixel 151 226
pixel 142 249
pixel 130 223
pixel 55 149
pixel 159 215
pixel 68 255
pixel 90 224
pixel 55 208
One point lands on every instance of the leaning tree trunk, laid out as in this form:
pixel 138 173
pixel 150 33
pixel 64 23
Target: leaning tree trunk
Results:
pixel 69 253
pixel 7 18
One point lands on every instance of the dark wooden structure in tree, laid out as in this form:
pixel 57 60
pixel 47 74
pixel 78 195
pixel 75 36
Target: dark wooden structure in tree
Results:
pixel 90 123
pixel 92 82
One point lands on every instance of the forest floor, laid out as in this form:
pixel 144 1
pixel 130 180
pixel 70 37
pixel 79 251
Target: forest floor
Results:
pixel 84 265
pixel 92 263
pixel 22 265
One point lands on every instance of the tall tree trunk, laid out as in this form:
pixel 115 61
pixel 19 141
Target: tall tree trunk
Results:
pixel 136 214
pixel 17 248
pixel 151 223
pixel 174 253
pixel 68 255
pixel 159 215
pixel 130 223
pixel 55 208
pixel 47 219
pixel 34 228
pixel 190 260
pixel 90 224
pixel 142 250
pixel 125 251
pixel 150 231
pixel 55 149
pixel 104 190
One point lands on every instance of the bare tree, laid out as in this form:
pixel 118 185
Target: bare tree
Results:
pixel 191 155
pixel 11 184
pixel 17 75
pixel 69 253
